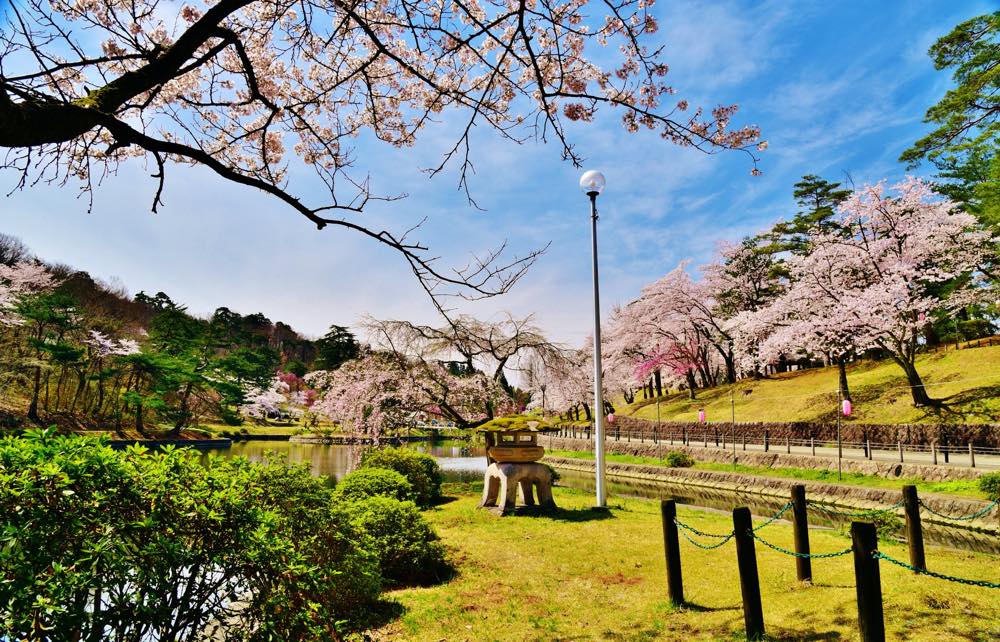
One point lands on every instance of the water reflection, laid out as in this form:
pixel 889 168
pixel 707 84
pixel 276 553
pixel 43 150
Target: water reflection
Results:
pixel 459 460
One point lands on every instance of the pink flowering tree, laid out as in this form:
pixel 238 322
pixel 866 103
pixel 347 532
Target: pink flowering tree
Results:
pixel 375 395
pixel 260 403
pixel 248 88
pixel 674 328
pixel 18 281
pixel 876 281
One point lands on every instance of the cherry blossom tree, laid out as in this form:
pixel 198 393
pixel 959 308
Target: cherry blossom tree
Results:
pixel 263 402
pixel 20 280
pixel 466 344
pixel 874 282
pixel 675 327
pixel 245 88
pixel 373 395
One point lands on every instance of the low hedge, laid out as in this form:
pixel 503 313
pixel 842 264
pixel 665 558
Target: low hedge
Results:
pixel 373 482
pixel 408 549
pixel 419 469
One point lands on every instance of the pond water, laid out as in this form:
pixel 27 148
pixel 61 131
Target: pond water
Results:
pixel 462 461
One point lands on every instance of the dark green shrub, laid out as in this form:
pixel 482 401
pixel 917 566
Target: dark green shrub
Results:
pixel 555 473
pixel 676 459
pixel 407 547
pixel 373 482
pixel 887 523
pixel 990 485
pixel 83 523
pixel 419 469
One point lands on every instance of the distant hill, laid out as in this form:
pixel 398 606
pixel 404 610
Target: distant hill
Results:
pixel 968 380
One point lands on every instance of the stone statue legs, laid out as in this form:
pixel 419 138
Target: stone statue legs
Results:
pixel 503 480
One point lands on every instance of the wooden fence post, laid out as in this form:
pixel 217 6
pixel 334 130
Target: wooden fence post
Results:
pixel 972 455
pixel 746 559
pixel 812 444
pixel 934 452
pixel 871 623
pixel 800 524
pixel 672 551
pixel 788 445
pixel 899 444
pixel 914 533
pixel 767 440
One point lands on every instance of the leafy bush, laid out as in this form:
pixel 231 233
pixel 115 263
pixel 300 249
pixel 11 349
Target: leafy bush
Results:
pixel 677 459
pixel 887 523
pixel 259 547
pixel 374 482
pixel 408 549
pixel 419 469
pixel 990 485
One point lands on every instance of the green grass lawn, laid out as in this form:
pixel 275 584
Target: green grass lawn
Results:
pixel 962 487
pixel 585 575
pixel 967 380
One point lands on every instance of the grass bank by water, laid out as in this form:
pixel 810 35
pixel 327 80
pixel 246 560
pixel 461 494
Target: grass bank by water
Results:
pixel 585 575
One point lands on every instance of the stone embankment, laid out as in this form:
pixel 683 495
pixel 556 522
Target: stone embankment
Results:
pixel 771 459
pixel 838 496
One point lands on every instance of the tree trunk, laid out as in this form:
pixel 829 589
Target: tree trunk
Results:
pixel 659 383
pixel 36 390
pixel 183 415
pixel 917 389
pixel 692 384
pixel 842 370
pixel 138 419
pixel 586 412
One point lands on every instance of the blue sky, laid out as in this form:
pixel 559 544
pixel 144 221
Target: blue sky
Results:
pixel 837 88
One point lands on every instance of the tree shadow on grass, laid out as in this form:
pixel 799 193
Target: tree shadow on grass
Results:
pixel 565 514
pixel 965 405
pixel 376 615
pixel 699 608
pixel 787 635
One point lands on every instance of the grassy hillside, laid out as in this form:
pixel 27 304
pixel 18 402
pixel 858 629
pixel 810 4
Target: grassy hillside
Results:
pixel 967 380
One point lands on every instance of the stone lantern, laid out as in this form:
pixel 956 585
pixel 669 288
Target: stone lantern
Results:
pixel 512 454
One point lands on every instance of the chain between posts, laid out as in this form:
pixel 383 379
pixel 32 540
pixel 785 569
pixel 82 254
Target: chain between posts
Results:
pixel 941 576
pixel 768 544
pixel 683 531
pixel 964 518
pixel 725 538
pixel 784 509
pixel 864 513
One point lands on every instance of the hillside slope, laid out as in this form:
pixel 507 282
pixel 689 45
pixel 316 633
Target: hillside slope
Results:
pixel 967 380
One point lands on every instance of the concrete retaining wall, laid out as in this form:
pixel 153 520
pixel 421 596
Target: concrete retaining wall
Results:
pixel 844 497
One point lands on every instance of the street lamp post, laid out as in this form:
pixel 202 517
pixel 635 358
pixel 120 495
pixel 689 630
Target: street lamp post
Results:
pixel 592 184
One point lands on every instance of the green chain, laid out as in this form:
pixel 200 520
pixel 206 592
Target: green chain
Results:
pixel 961 580
pixel 963 518
pixel 866 513
pixel 776 517
pixel 794 554
pixel 684 528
